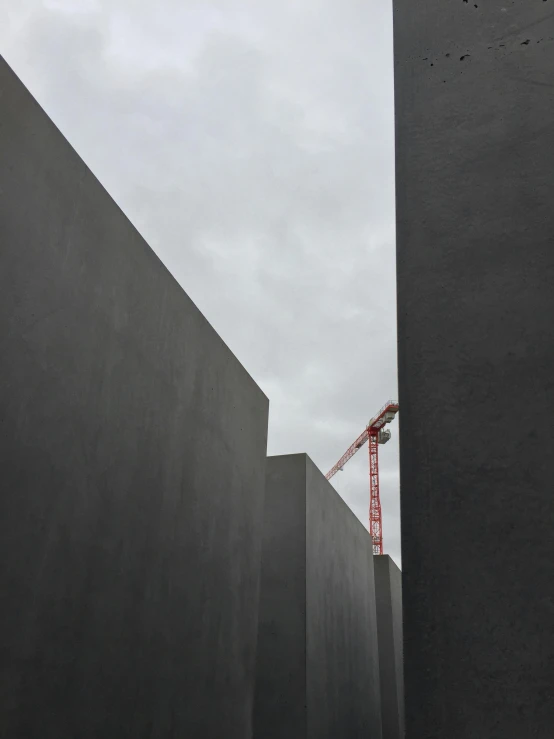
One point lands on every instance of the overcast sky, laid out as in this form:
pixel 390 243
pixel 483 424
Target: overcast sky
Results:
pixel 251 142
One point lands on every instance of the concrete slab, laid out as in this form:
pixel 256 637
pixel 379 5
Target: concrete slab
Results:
pixel 475 187
pixel 317 670
pixel 132 463
pixel 388 595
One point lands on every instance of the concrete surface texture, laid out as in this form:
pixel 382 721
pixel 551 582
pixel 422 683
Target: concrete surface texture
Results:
pixel 133 465
pixel 475 261
pixel 388 596
pixel 317 670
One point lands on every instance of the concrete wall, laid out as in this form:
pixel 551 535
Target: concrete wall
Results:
pixel 475 225
pixel 388 595
pixel 132 462
pixel 317 652
pixel 280 702
pixel 341 623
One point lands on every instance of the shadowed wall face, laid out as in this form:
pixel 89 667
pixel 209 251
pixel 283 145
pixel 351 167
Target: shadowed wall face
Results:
pixel 132 461
pixel 317 672
pixel 388 595
pixel 280 696
pixel 475 187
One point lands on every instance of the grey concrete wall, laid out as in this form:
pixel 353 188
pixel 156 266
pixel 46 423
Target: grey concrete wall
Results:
pixel 342 652
pixel 280 699
pixel 388 596
pixel 317 673
pixel 475 225
pixel 132 461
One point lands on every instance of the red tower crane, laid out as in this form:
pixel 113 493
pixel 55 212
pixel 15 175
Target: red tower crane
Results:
pixel 377 434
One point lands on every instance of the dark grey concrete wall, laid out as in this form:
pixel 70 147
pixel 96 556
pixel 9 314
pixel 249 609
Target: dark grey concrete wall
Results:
pixel 280 702
pixel 317 673
pixel 388 596
pixel 342 652
pixel 475 225
pixel 132 461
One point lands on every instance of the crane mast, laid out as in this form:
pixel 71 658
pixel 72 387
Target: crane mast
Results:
pixel 376 434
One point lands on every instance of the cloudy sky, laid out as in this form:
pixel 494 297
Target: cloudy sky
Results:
pixel 251 142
